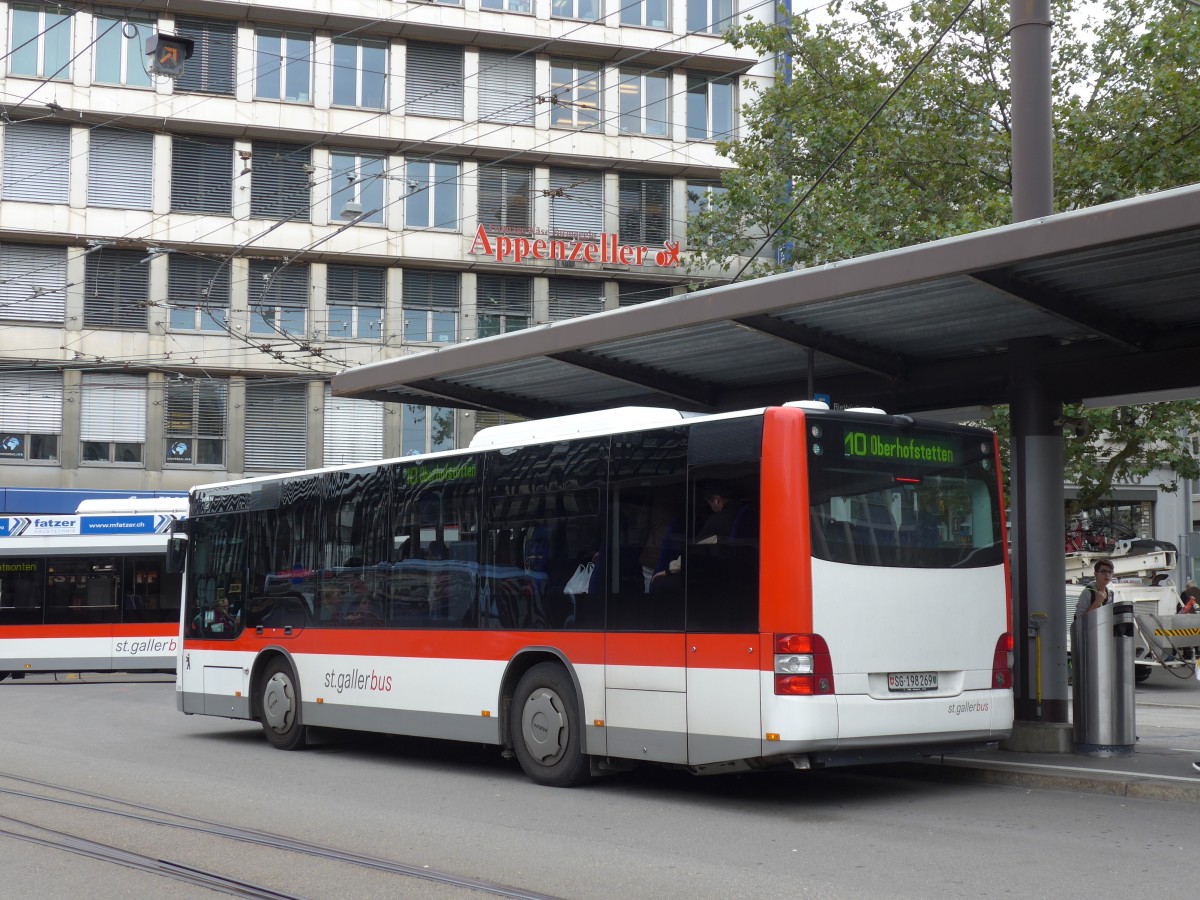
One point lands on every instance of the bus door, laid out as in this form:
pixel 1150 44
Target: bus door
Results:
pixel 645 671
pixel 721 579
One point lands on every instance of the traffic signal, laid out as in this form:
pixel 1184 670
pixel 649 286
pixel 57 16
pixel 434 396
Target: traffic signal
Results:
pixel 168 53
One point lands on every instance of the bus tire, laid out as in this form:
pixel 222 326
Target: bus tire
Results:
pixel 545 730
pixel 279 707
pixel 1141 673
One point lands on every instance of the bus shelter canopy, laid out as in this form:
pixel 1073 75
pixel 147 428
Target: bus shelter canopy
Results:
pixel 1109 296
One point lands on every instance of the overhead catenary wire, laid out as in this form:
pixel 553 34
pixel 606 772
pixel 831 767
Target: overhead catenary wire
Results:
pixel 671 65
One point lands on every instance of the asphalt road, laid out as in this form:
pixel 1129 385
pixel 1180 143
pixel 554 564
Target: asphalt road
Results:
pixel 441 811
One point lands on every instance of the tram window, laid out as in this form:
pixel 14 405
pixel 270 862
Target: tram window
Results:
pixel 148 593
pixel 82 590
pixel 22 586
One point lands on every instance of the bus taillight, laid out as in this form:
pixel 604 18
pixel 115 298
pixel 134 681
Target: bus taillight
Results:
pixel 1002 662
pixel 802 665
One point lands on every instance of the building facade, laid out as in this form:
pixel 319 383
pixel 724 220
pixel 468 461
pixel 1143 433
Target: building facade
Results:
pixel 184 263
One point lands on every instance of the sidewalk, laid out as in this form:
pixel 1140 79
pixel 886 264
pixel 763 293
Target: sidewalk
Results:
pixel 1168 729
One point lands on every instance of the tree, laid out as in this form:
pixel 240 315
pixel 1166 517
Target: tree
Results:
pixel 936 162
pixel 1119 444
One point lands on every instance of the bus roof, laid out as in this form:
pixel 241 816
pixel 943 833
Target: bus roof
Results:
pixel 166 505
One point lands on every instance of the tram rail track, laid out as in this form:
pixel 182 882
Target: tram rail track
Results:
pixel 37 791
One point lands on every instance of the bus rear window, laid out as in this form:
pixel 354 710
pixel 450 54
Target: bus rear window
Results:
pixel 913 498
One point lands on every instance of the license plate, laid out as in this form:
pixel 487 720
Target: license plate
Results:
pixel 912 681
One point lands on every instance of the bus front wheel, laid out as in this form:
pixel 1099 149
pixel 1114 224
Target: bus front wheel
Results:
pixel 545 730
pixel 279 707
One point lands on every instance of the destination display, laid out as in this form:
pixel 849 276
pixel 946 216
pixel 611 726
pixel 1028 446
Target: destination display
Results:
pixel 917 449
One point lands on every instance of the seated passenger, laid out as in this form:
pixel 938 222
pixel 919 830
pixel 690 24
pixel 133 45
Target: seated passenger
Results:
pixel 363 613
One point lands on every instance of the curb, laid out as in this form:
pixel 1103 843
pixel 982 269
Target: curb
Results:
pixel 1146 787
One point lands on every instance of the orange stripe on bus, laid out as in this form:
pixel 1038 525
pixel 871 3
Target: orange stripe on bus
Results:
pixel 105 630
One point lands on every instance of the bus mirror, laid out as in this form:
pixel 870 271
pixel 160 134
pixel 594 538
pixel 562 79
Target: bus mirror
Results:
pixel 176 552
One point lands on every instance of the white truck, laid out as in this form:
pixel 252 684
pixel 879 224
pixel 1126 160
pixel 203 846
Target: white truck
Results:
pixel 1142 575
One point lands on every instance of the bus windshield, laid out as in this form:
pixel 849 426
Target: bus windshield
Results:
pixel 890 496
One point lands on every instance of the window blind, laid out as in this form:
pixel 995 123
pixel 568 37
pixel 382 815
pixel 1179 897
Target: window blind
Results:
pixel 33 283
pixel 276 424
pixel 113 407
pixel 116 289
pixel 120 168
pixel 353 430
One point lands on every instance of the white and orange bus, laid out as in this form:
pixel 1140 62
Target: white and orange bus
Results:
pixel 89 592
pixel 789 586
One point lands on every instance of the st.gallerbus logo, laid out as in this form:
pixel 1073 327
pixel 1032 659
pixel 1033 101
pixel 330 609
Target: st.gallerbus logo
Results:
pixel 608 249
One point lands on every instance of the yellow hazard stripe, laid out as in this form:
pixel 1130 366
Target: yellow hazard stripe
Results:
pixel 1177 632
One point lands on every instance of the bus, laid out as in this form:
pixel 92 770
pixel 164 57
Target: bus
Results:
pixel 559 589
pixel 89 592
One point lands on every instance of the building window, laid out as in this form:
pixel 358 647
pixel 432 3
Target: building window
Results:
pixel 709 108
pixel 353 430
pixel 120 168
pixel 590 10
pixel 357 185
pixel 713 16
pixel 433 80
pixel 575 89
pixel 40 42
pixel 576 202
pixel 116 291
pixel 644 106
pixel 431 200
pixel 517 6
pixel 359 73
pixel 504 196
pixel 431 302
pixel 503 303
pixel 282 66
pixel 112 418
pixel 202 175
pixel 37 162
pixel 355 296
pixel 426 429
pixel 700 195
pixel 211 68
pixel 645 209
pixel 33 283
pixel 647 13
pixel 276 426
pixel 194 422
pixel 631 293
pixel 506 87
pixel 120 57
pixel 279 187
pixel 278 297
pixel 30 416
pixel 198 293
pixel 572 297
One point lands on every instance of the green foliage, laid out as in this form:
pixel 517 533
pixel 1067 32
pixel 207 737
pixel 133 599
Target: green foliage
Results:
pixel 937 161
pixel 1122 445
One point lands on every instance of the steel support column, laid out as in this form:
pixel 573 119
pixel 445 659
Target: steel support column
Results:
pixel 1032 109
pixel 1037 539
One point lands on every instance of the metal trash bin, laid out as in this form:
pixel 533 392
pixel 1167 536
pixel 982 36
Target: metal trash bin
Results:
pixel 1103 701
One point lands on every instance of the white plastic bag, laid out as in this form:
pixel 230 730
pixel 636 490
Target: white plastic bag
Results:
pixel 580 580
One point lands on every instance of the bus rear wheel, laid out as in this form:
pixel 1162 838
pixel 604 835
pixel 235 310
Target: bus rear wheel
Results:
pixel 279 707
pixel 545 730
